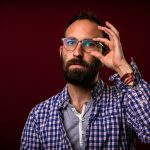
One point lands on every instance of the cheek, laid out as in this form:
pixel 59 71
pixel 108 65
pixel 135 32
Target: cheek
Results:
pixel 66 56
pixel 88 58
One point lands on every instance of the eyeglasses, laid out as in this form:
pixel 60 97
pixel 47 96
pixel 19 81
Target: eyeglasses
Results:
pixel 88 45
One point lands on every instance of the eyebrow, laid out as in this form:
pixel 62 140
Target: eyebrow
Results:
pixel 82 39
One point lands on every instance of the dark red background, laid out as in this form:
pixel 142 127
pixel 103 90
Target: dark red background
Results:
pixel 30 70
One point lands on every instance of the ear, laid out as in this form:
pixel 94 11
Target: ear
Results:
pixel 60 50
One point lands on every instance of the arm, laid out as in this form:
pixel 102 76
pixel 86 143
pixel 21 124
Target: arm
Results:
pixel 137 104
pixel 137 95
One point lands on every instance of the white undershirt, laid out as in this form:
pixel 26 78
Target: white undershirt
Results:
pixel 80 116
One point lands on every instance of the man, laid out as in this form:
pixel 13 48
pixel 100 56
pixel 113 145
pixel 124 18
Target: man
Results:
pixel 87 113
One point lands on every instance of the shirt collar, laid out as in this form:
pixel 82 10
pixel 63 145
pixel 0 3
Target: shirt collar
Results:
pixel 96 92
pixel 97 89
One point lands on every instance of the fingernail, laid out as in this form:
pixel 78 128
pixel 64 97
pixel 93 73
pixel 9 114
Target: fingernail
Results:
pixel 107 22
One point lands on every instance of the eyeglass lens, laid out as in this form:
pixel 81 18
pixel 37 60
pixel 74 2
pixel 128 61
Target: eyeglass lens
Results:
pixel 87 44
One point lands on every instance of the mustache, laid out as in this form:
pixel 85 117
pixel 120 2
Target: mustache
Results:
pixel 77 62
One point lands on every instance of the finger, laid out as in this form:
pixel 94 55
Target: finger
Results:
pixel 107 31
pixel 97 55
pixel 102 40
pixel 111 34
pixel 112 28
pixel 114 39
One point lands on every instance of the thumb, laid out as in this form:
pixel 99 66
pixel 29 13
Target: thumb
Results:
pixel 97 54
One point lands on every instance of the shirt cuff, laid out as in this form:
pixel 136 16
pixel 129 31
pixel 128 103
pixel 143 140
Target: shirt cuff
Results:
pixel 137 76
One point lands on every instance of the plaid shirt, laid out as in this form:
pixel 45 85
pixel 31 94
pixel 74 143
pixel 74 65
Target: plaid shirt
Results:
pixel 119 115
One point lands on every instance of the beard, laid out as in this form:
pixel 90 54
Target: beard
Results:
pixel 81 76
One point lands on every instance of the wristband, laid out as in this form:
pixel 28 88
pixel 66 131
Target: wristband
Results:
pixel 127 78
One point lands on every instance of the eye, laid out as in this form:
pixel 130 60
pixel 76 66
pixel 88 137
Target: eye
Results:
pixel 89 43
pixel 71 42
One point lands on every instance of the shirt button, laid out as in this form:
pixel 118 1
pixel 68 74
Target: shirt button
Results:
pixel 83 132
pixel 73 109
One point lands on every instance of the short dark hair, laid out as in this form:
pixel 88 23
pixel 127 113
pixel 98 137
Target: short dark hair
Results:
pixel 85 15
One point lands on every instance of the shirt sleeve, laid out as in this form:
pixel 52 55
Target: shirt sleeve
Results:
pixel 29 138
pixel 137 103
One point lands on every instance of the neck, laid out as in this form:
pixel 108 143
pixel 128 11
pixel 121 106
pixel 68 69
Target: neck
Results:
pixel 79 95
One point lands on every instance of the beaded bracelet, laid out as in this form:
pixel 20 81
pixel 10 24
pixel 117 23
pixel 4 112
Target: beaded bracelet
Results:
pixel 127 78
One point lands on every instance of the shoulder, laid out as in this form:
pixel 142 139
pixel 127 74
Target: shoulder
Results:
pixel 42 109
pixel 111 90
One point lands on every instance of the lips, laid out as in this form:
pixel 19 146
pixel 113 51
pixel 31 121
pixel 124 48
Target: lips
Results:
pixel 76 66
pixel 77 63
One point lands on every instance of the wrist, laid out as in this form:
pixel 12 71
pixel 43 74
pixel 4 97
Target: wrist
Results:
pixel 123 68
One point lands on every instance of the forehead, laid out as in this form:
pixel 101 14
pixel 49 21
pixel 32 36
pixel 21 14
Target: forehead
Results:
pixel 83 29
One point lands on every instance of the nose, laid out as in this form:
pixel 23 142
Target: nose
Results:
pixel 78 52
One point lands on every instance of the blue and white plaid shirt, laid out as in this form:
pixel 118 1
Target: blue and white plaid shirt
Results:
pixel 120 114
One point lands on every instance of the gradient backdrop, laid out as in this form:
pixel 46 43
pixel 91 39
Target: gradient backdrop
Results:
pixel 30 70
